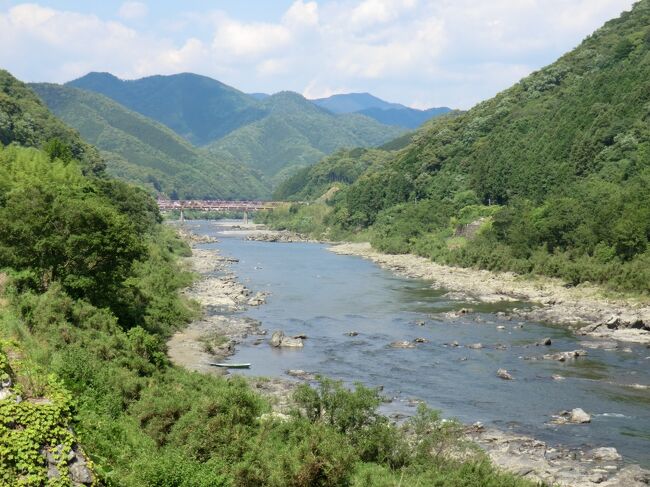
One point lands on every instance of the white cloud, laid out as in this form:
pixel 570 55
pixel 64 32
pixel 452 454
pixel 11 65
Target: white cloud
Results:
pixel 424 52
pixel 371 12
pixel 301 14
pixel 133 10
pixel 249 39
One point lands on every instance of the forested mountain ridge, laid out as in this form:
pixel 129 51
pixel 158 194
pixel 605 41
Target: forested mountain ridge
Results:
pixel 296 133
pixel 273 134
pixel 558 166
pixel 196 107
pixel 140 150
pixel 25 120
pixel 382 111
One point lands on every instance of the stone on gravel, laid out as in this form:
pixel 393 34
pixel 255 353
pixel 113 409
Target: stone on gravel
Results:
pixel 607 454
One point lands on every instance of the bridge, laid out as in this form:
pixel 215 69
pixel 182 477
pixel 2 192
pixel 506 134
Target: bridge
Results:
pixel 215 205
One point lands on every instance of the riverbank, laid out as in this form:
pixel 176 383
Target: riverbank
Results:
pixel 213 337
pixel 221 293
pixel 586 309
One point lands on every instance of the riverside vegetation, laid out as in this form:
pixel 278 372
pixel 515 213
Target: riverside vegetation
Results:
pixel 89 287
pixel 550 177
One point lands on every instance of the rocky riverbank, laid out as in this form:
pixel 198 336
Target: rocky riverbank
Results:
pixel 584 308
pixel 214 336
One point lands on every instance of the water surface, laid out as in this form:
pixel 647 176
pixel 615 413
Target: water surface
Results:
pixel 324 295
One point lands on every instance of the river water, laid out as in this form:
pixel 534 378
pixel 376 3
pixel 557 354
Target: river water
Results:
pixel 324 295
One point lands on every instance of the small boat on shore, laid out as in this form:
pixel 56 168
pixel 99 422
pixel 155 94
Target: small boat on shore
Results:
pixel 231 366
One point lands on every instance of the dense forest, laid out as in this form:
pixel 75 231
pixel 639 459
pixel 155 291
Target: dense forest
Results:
pixel 144 152
pixel 553 174
pixel 274 135
pixel 89 293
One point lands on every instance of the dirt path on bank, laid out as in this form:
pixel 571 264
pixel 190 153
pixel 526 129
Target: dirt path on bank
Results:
pixel 585 308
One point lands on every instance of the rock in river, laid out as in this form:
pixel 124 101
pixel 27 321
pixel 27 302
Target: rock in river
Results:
pixel 564 356
pixel 291 342
pixel 575 416
pixel 278 339
pixel 402 344
pixel 504 374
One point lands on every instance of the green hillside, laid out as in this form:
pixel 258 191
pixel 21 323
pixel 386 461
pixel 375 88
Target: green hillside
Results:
pixel 196 107
pixel 297 133
pixel 556 169
pixel 145 152
pixel 274 135
pixel 25 120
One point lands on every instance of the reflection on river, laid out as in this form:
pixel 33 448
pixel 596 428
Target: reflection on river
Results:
pixel 323 296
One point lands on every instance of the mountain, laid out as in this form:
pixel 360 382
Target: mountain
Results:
pixel 296 133
pixel 554 172
pixel 196 107
pixel 354 102
pixel 403 117
pixel 378 109
pixel 259 96
pixel 143 151
pixel 26 121
pixel 272 133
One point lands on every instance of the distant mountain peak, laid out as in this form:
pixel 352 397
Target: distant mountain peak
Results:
pixel 382 111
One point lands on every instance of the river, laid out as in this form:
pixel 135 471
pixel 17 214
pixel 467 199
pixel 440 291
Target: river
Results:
pixel 324 296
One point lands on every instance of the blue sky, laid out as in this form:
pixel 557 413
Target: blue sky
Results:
pixel 418 52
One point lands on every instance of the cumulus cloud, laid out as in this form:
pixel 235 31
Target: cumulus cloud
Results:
pixel 133 10
pixel 371 12
pixel 418 52
pixel 301 14
pixel 249 39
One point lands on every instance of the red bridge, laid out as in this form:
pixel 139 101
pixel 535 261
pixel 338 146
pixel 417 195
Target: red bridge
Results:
pixel 216 205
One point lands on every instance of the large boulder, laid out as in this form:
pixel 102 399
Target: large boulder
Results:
pixel 606 454
pixel 291 342
pixel 276 338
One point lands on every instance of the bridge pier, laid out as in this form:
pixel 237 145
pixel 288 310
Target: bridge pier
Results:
pixel 182 217
pixel 245 217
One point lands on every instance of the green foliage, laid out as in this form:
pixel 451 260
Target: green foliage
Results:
pixel 92 299
pixel 341 168
pixel 212 111
pixel 26 121
pixel 273 136
pixel 142 151
pixel 553 171
pixel 295 133
pixel 29 427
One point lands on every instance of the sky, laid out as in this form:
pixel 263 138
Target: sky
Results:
pixel 422 53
